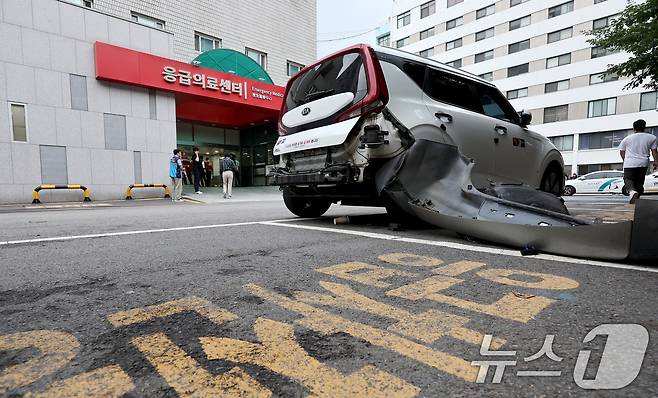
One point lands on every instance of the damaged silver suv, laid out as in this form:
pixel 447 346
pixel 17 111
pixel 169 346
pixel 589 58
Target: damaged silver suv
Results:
pixel 348 115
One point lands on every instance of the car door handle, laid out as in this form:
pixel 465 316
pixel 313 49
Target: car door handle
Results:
pixel 502 130
pixel 444 117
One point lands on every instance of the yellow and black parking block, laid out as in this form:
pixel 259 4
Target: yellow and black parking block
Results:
pixel 42 187
pixel 129 193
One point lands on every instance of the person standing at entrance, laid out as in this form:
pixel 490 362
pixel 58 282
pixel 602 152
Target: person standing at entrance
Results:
pixel 176 174
pixel 228 168
pixel 197 170
pixel 209 169
pixel 635 150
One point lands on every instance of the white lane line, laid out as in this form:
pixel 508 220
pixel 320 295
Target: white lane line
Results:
pixel 139 232
pixel 461 246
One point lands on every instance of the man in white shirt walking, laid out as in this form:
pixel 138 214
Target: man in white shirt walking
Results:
pixel 635 150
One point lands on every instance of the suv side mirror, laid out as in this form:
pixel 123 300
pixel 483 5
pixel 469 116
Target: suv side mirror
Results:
pixel 526 118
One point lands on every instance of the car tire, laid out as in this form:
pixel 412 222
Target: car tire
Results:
pixel 624 191
pixel 551 182
pixel 569 190
pixel 305 207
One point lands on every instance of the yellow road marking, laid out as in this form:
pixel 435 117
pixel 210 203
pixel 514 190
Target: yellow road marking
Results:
pixel 367 274
pixel 458 268
pixel 188 379
pixel 548 281
pixel 202 307
pixel 326 323
pixel 426 327
pixel 55 348
pixel 108 382
pixel 412 260
pixel 279 352
pixel 508 307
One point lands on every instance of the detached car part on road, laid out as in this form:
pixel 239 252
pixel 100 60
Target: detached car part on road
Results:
pixel 387 128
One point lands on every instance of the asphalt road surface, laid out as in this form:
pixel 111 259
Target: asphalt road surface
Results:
pixel 154 299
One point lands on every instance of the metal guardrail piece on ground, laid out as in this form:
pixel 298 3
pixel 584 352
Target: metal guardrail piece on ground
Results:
pixel 42 187
pixel 129 193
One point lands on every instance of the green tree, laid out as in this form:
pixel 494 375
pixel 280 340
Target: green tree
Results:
pixel 634 31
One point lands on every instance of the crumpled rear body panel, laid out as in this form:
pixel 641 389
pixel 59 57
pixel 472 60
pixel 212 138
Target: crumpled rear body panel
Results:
pixel 432 181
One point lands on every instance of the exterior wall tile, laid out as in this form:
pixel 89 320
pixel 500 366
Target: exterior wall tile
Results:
pixel 46 15
pixel 124 172
pixel 3 82
pixel 98 96
pixel 139 37
pixel 153 143
pixel 136 134
pixel 20 83
pixel 11 49
pixel 147 169
pixel 537 41
pixel 160 167
pixel 36 48
pixel 84 53
pixel 71 21
pixel 95 27
pixel 6 178
pixel 578 110
pixel 159 43
pixel 79 165
pixel 93 135
pixel 580 55
pixel 69 127
pixel 42 125
pixel 628 103
pixel 12 194
pixel 102 166
pixel 539 64
pixel 26 164
pixel 48 87
pixel 5 133
pixel 63 49
pixel 66 90
pixel 119 32
pixel 139 98
pixel 120 100
pixel 168 136
pixel 17 12
pixel 579 81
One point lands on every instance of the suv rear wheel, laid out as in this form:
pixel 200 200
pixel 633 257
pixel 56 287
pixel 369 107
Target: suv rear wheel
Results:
pixel 305 207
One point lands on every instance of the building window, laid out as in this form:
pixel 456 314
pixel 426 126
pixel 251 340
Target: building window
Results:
pixel 453 44
pixel 454 2
pixel 147 21
pixel 484 34
pixel 384 41
pixel 18 122
pixel 602 107
pixel 520 46
pixel 556 86
pixel 205 43
pixel 603 22
pixel 427 53
pixel 602 140
pixel 599 1
pixel 404 19
pixel 518 93
pixel 485 56
pixel 83 3
pixel 427 9
pixel 293 68
pixel 78 86
pixel 649 101
pixel 486 76
pixel 53 165
pixel 519 23
pixel 560 35
pixel 602 78
pixel 564 59
pixel 598 52
pixel 453 23
pixel 563 143
pixel 402 42
pixel 513 3
pixel 486 11
pixel 426 33
pixel 556 113
pixel 517 70
pixel 257 56
pixel 115 131
pixel 455 64
pixel 561 9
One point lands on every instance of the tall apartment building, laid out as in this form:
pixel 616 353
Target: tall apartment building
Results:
pixel 536 52
pixel 99 92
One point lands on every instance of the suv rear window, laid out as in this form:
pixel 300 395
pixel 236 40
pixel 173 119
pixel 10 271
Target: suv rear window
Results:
pixel 342 74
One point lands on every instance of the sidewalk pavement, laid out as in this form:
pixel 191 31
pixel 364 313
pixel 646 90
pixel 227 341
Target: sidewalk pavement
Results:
pixel 240 194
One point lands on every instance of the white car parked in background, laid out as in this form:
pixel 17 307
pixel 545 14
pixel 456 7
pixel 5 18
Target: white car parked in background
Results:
pixel 651 183
pixel 611 181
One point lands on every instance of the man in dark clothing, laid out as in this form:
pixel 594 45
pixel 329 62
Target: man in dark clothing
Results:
pixel 197 170
pixel 209 169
